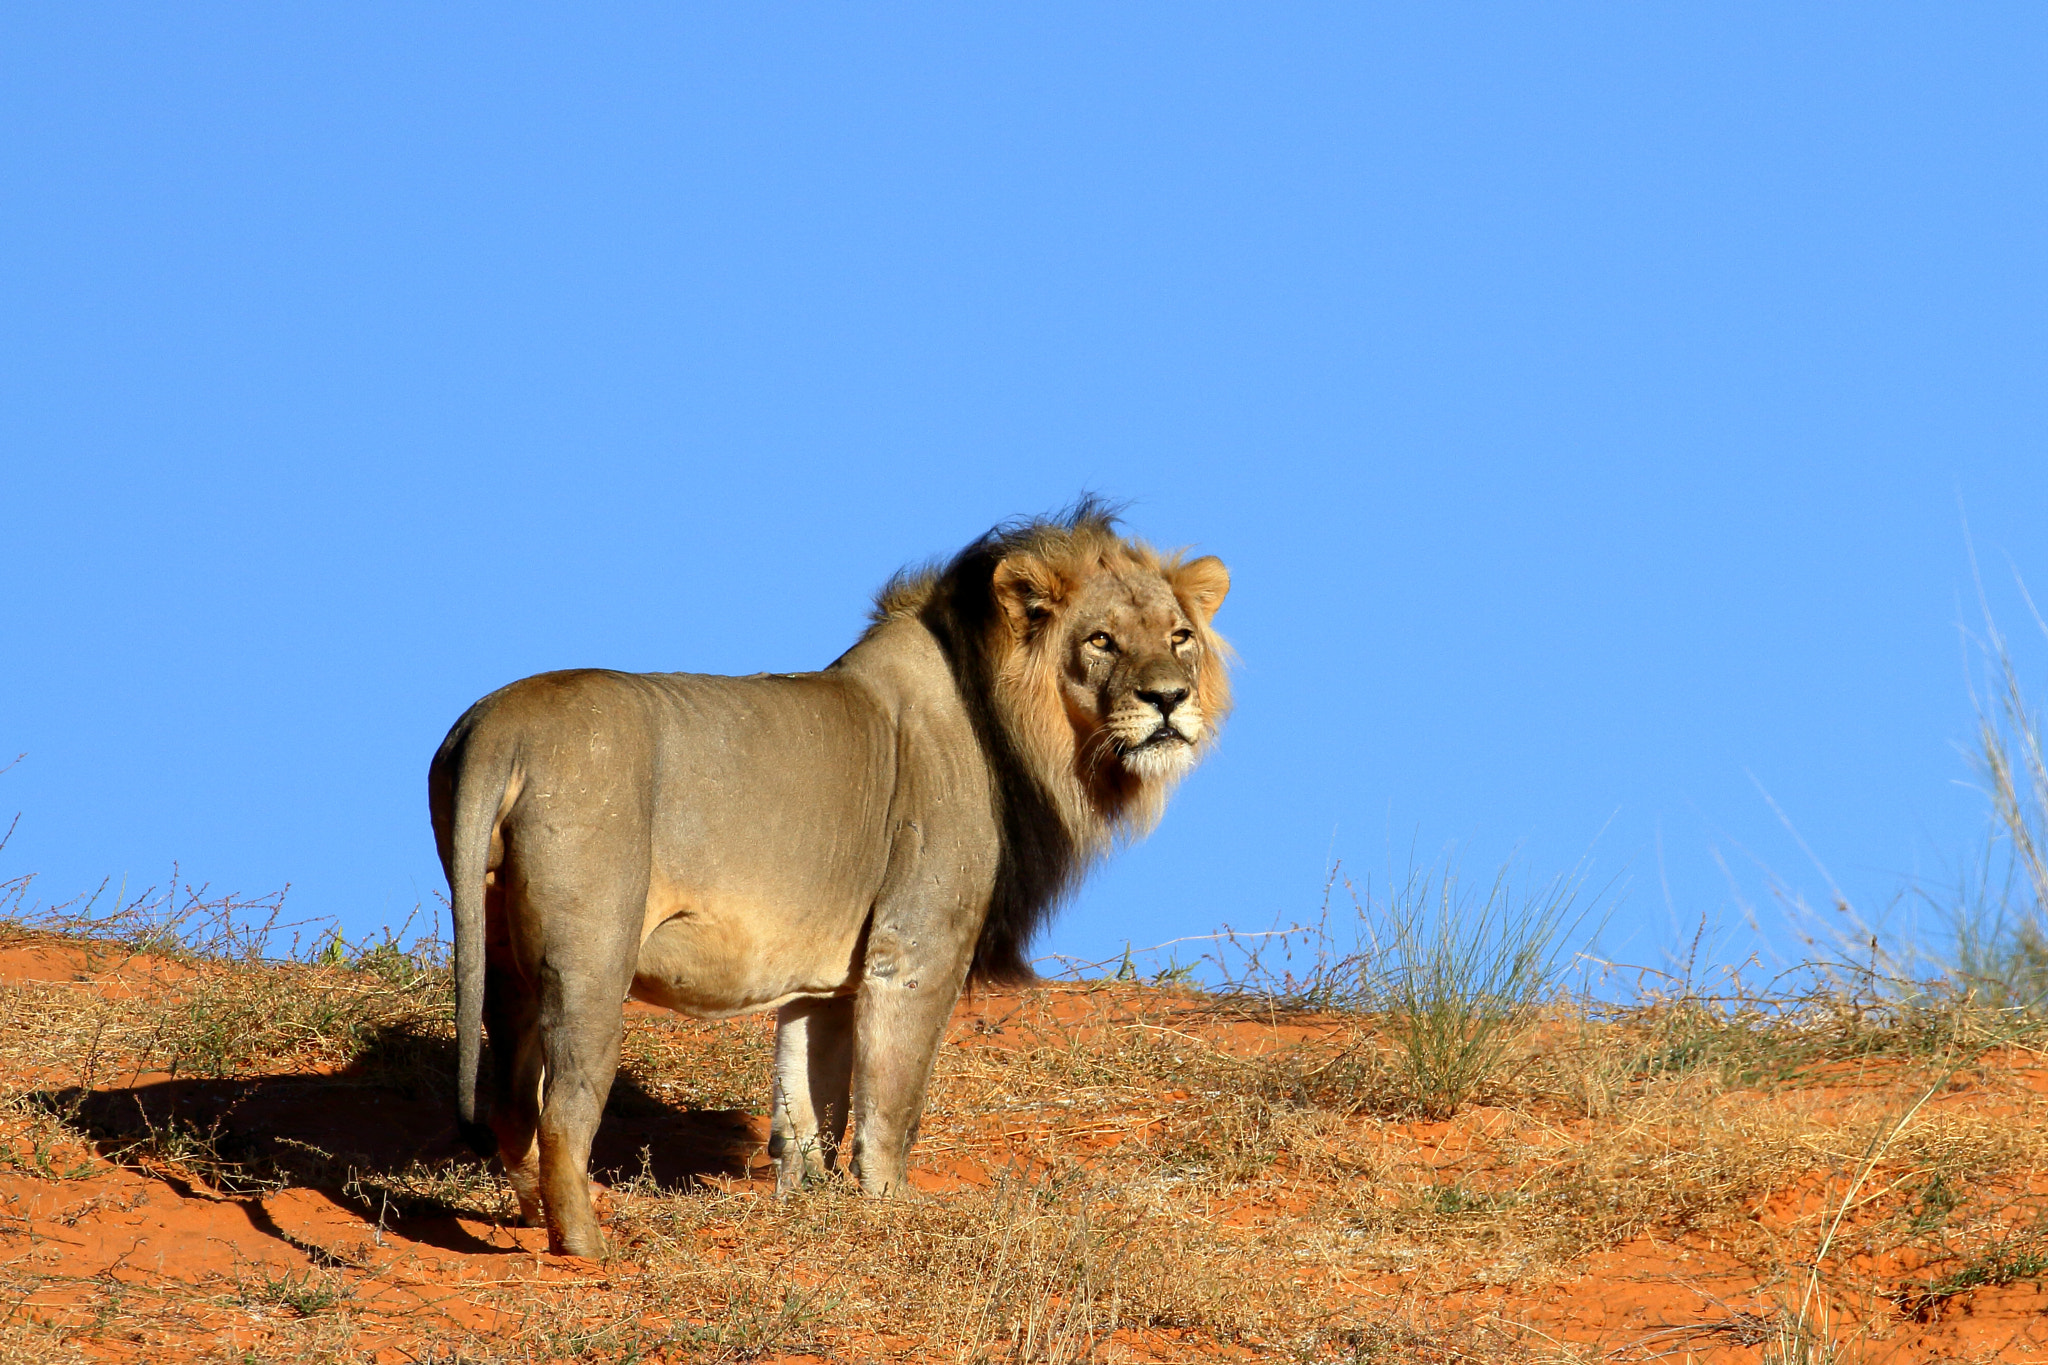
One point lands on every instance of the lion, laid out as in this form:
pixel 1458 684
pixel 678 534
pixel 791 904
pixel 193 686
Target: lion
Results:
pixel 847 847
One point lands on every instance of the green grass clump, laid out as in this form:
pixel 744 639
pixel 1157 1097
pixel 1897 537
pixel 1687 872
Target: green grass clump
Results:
pixel 1465 976
pixel 1456 976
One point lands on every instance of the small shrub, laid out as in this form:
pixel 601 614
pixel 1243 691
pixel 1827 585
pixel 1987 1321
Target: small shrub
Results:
pixel 1457 977
pixel 305 1293
pixel 1465 976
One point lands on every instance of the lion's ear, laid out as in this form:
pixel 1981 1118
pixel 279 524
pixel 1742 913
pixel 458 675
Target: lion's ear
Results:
pixel 1201 586
pixel 1028 589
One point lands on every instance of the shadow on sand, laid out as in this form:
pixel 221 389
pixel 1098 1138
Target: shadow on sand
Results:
pixel 366 1136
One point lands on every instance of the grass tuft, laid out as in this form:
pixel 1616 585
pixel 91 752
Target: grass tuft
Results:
pixel 2001 948
pixel 1455 978
pixel 1466 977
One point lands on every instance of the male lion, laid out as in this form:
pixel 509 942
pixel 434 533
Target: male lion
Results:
pixel 845 847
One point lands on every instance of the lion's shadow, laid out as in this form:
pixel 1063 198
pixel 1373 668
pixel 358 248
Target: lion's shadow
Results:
pixel 379 1138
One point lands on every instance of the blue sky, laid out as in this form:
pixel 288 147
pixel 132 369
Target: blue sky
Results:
pixel 1587 400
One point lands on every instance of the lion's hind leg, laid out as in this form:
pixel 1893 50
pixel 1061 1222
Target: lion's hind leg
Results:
pixel 512 1016
pixel 582 1028
pixel 813 1089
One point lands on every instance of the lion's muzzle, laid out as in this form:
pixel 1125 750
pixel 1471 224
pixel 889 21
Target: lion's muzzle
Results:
pixel 1155 733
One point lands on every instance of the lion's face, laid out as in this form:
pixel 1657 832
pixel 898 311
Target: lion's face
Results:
pixel 1129 649
pixel 1130 662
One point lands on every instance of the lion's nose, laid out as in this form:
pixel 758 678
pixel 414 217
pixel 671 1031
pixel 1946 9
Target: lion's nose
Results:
pixel 1165 700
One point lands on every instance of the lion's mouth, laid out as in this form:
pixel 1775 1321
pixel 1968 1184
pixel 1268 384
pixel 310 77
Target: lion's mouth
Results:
pixel 1160 756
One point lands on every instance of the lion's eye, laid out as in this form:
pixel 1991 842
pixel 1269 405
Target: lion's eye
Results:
pixel 1182 636
pixel 1100 639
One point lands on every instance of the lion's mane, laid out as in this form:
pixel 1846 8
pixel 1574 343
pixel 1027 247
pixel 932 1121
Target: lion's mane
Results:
pixel 1060 808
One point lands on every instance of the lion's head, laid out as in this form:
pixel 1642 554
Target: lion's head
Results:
pixel 1100 681
pixel 1108 666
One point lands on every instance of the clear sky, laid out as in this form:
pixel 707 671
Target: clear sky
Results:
pixel 1587 400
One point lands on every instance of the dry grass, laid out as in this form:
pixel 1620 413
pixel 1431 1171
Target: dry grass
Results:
pixel 1114 1171
pixel 1124 1173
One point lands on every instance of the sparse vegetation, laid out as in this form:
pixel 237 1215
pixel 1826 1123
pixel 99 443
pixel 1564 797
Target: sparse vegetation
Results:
pixel 305 1292
pixel 1396 1137
pixel 1128 1170
pixel 2001 928
pixel 1466 976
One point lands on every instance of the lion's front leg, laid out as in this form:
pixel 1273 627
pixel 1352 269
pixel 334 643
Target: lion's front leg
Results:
pixel 813 1084
pixel 899 1020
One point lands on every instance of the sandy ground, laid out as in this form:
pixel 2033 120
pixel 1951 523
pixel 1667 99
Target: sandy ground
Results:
pixel 139 1260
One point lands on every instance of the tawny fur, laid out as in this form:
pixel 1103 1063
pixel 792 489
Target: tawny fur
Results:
pixel 846 846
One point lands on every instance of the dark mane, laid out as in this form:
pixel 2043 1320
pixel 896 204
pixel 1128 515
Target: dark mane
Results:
pixel 1043 855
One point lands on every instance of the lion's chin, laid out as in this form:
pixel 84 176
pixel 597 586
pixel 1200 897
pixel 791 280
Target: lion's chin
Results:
pixel 1164 758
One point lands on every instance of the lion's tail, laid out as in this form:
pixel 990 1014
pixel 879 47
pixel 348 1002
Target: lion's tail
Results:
pixel 480 784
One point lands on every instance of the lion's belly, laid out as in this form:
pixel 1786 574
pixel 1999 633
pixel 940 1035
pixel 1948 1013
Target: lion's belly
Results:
pixel 713 961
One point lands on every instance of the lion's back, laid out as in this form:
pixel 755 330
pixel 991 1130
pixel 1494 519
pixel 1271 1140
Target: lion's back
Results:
pixel 735 785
